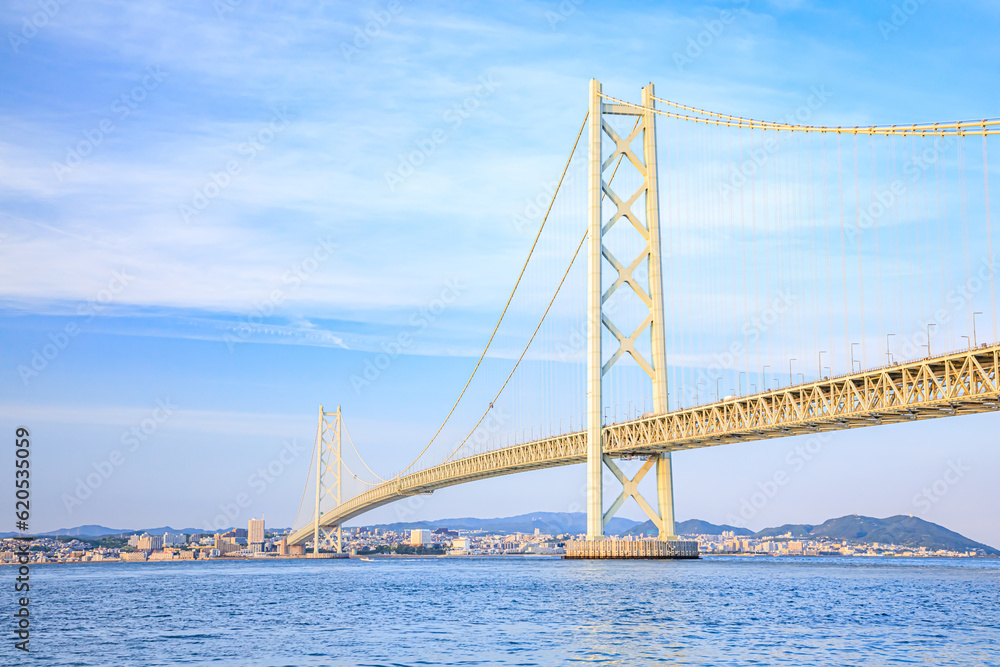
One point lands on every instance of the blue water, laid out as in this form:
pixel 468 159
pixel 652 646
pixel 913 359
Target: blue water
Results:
pixel 516 611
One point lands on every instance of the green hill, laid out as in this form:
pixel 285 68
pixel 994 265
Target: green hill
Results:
pixel 908 531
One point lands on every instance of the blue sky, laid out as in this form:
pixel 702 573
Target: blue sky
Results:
pixel 208 197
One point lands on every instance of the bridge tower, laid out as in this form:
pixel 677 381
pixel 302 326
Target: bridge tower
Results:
pixel 329 468
pixel 598 319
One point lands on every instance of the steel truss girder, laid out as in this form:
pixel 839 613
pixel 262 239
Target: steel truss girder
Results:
pixel 961 383
pixel 949 385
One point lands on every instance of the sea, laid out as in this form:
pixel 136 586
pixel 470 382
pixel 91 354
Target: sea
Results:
pixel 514 611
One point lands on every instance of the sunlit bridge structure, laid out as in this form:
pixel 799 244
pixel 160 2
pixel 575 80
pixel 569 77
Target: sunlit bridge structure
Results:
pixel 701 279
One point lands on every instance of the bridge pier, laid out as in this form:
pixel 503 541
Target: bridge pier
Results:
pixel 631 549
pixel 665 495
pixel 598 320
pixel 329 465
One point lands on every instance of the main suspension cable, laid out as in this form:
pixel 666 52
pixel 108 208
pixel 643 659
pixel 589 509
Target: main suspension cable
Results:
pixel 949 128
pixel 506 306
pixel 523 352
pixel 312 458
pixel 363 462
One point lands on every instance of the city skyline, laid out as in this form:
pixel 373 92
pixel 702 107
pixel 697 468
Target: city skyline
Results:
pixel 206 331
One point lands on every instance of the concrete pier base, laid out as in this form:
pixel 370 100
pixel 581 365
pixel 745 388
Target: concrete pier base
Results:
pixel 327 555
pixel 645 549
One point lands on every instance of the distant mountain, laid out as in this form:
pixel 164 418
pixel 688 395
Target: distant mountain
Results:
pixel 92 530
pixel 552 523
pixel 908 531
pixel 689 527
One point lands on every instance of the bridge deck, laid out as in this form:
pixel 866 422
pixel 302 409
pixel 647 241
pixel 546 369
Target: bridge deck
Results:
pixel 952 384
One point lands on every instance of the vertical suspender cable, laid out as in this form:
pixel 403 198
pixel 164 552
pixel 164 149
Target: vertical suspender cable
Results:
pixel 731 268
pixel 743 244
pixel 843 249
pixel 876 213
pixel 944 248
pixel 895 236
pixel 861 274
pixel 989 235
pixel 756 277
pixel 831 348
pixel 966 253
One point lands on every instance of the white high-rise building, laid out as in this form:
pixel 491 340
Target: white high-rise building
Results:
pixel 420 537
pixel 170 539
pixel 255 534
pixel 149 542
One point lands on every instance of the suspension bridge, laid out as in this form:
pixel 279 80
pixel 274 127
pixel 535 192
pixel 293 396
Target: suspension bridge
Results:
pixel 866 249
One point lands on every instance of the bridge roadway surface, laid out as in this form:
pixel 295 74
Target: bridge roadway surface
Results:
pixel 957 383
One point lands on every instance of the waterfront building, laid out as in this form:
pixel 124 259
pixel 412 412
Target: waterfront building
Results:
pixel 149 542
pixel 420 537
pixel 255 535
pixel 226 543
